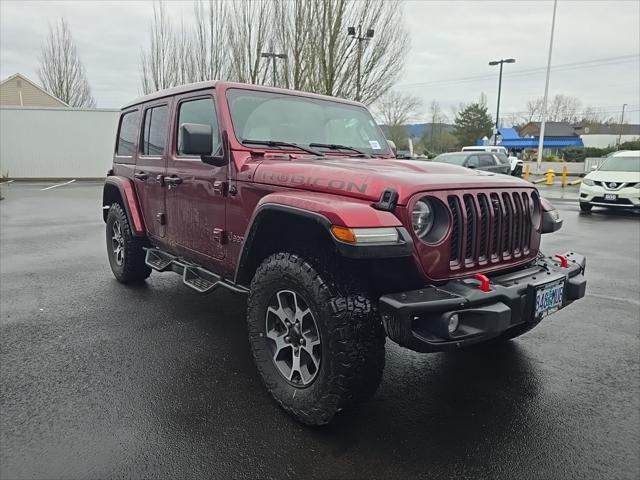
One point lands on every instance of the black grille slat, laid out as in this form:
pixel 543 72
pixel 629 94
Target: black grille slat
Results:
pixel 496 247
pixel 526 208
pixel 456 228
pixel 518 225
pixel 470 240
pixel 485 217
pixel 507 231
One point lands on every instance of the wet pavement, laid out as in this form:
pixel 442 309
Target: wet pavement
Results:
pixel 101 380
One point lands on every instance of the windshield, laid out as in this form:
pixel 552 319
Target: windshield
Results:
pixel 279 117
pixel 621 164
pixel 455 159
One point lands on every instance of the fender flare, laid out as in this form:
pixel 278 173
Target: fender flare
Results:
pixel 129 202
pixel 279 203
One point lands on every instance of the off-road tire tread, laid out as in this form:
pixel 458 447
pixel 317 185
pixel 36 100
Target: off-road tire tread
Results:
pixel 355 349
pixel 134 268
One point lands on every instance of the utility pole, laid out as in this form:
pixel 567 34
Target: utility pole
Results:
pixel 621 125
pixel 357 36
pixel 546 89
pixel 273 56
pixel 499 62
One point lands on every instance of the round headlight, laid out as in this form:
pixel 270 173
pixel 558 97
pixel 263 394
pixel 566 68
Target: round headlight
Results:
pixel 422 218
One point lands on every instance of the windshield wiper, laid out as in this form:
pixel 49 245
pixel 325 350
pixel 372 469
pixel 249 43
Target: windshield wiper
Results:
pixel 334 146
pixel 278 143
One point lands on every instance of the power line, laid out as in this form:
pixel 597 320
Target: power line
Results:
pixel 529 71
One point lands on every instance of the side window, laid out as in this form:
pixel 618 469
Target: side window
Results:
pixel 487 161
pixel 127 134
pixel 155 130
pixel 472 161
pixel 200 111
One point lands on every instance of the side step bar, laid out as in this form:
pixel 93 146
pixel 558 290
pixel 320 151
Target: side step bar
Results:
pixel 193 276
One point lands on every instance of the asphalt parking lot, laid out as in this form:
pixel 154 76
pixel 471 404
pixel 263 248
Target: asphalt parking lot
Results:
pixel 104 381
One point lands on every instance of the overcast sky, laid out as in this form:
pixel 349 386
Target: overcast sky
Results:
pixel 450 41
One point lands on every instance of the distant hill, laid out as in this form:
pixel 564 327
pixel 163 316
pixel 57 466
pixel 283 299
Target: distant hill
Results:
pixel 418 130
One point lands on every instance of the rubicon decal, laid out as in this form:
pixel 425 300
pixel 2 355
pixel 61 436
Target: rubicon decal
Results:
pixel 300 180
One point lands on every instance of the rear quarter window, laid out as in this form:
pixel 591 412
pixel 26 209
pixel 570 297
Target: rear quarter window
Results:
pixel 127 134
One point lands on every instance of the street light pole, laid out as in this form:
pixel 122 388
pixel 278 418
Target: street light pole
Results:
pixel 546 90
pixel 273 57
pixel 357 36
pixel 499 62
pixel 621 125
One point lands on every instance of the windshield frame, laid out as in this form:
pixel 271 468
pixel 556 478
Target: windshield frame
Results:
pixel 384 152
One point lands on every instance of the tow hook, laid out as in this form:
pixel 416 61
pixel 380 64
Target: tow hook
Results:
pixel 484 282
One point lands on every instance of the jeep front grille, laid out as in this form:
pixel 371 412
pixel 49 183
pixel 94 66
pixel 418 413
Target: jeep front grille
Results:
pixel 489 228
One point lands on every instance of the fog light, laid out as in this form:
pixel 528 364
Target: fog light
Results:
pixel 454 321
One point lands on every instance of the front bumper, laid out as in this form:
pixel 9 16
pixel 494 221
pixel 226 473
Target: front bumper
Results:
pixel 627 197
pixel 419 319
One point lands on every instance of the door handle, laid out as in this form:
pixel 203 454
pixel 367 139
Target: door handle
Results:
pixel 141 175
pixel 172 180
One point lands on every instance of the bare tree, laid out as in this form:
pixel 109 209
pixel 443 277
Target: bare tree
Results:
pixel 229 38
pixel 159 63
pixel 395 110
pixel 560 108
pixel 248 37
pixel 61 71
pixel 336 54
pixel 210 56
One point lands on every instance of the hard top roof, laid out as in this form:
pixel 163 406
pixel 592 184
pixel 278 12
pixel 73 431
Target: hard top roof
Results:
pixel 194 87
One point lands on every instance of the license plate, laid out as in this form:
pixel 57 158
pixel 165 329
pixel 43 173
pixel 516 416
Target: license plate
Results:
pixel 548 299
pixel 611 197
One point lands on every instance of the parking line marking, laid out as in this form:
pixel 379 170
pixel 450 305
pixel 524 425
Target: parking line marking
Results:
pixel 58 185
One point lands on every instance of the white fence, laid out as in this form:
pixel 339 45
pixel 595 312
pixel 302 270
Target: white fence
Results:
pixel 56 142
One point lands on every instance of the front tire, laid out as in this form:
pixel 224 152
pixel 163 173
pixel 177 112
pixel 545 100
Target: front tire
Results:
pixel 585 207
pixel 125 252
pixel 318 346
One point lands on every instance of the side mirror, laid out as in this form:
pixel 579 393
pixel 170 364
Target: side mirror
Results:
pixel 551 221
pixel 197 139
pixel 594 168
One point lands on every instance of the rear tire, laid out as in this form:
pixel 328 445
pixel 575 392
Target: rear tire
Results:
pixel 125 252
pixel 348 348
pixel 585 207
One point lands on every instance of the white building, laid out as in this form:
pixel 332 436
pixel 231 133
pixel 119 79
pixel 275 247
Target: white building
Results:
pixel 602 136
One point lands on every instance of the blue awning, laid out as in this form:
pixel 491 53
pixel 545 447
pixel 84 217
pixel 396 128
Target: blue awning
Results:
pixel 508 133
pixel 549 142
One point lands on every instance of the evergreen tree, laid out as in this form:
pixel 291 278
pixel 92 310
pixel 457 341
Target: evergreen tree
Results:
pixel 472 123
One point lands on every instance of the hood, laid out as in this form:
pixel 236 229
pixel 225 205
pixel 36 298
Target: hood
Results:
pixel 368 178
pixel 617 177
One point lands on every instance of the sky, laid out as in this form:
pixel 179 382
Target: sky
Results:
pixel 596 49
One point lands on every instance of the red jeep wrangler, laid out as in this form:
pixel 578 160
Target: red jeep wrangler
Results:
pixel 297 201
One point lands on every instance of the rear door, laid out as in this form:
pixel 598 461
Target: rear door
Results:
pixel 487 162
pixel 196 191
pixel 151 167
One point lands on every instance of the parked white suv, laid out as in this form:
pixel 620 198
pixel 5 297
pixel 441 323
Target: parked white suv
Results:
pixel 515 163
pixel 616 183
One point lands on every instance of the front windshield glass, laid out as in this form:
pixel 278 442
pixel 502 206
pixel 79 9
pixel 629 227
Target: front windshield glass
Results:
pixel 453 159
pixel 302 120
pixel 621 164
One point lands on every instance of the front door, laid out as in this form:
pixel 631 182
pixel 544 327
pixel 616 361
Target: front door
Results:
pixel 151 167
pixel 196 191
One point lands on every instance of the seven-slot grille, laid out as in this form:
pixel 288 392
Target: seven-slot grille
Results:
pixel 489 227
